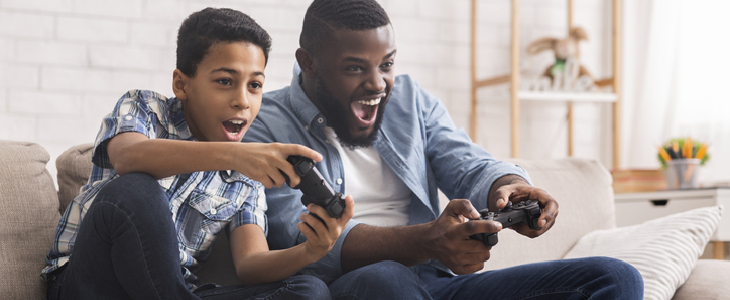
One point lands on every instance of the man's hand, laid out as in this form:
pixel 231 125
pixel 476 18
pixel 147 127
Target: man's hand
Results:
pixel 262 162
pixel 516 189
pixel 321 229
pixel 449 237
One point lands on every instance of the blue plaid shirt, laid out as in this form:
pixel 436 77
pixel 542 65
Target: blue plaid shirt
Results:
pixel 221 198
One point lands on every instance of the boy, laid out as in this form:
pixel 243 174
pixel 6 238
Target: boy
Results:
pixel 157 199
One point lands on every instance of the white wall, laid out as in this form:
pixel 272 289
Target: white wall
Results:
pixel 64 63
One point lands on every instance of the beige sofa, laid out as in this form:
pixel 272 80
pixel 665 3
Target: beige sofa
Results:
pixel 29 211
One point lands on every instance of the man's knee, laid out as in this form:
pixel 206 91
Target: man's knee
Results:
pixel 307 287
pixel 387 274
pixel 617 275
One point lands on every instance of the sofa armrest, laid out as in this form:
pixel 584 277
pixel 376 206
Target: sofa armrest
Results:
pixel 28 218
pixel 708 280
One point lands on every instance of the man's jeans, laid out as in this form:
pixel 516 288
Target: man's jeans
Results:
pixel 127 248
pixel 580 278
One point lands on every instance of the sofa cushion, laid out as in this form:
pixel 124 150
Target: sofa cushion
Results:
pixel 663 250
pixel 708 281
pixel 28 218
pixel 583 191
pixel 74 168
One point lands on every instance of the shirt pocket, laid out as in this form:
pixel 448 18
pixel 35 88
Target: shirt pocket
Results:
pixel 205 216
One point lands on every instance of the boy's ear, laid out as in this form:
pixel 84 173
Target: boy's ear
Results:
pixel 179 83
pixel 306 62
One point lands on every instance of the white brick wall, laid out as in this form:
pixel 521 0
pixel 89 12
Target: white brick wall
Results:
pixel 64 63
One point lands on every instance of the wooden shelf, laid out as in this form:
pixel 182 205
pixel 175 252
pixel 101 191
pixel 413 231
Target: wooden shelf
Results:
pixel 517 95
pixel 567 96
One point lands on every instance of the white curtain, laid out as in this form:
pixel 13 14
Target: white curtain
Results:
pixel 676 71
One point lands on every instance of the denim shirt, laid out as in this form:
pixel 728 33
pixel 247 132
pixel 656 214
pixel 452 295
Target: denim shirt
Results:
pixel 417 139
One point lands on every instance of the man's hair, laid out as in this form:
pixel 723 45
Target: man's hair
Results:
pixel 325 16
pixel 210 26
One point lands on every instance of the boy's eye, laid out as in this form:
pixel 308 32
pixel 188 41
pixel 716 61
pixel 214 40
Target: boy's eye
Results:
pixel 255 85
pixel 354 68
pixel 225 81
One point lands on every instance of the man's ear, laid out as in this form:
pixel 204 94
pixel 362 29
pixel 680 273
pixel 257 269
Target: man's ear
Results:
pixel 179 83
pixel 306 62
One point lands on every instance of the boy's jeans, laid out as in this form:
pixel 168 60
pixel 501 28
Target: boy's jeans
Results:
pixel 127 248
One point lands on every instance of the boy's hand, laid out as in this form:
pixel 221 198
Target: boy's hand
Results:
pixel 321 229
pixel 262 161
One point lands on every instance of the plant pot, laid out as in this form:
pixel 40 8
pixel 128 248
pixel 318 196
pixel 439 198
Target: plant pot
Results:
pixel 681 174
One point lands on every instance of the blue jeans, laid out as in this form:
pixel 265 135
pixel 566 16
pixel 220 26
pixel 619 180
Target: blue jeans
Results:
pixel 580 278
pixel 127 248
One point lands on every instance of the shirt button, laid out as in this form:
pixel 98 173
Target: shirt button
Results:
pixel 306 127
pixel 129 117
pixel 213 211
pixel 339 180
pixel 320 120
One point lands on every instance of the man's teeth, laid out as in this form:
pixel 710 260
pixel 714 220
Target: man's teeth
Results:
pixel 237 122
pixel 370 102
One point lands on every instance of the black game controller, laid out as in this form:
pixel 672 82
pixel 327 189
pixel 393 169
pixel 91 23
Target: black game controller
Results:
pixel 526 212
pixel 314 188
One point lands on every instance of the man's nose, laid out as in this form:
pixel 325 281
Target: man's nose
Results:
pixel 375 82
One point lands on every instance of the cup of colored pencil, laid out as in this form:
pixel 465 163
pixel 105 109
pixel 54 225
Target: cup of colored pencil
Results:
pixel 680 159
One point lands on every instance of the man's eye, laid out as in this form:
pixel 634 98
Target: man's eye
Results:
pixel 355 68
pixel 388 64
pixel 225 81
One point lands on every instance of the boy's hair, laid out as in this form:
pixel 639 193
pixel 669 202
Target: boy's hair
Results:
pixel 204 28
pixel 325 16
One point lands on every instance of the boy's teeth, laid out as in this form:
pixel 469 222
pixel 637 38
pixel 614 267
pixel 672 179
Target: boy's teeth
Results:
pixel 237 122
pixel 370 102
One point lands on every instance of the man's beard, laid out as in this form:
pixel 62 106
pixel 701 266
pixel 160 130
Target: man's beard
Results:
pixel 338 116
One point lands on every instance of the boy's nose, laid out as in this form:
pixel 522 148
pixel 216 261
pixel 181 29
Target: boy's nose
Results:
pixel 240 101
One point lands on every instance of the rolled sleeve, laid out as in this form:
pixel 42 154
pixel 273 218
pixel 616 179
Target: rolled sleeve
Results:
pixel 253 211
pixel 329 267
pixel 132 113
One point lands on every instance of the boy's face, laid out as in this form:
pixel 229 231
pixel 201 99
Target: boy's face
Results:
pixel 354 80
pixel 224 97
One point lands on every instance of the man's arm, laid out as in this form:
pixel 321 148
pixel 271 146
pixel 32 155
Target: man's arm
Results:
pixel 445 239
pixel 134 152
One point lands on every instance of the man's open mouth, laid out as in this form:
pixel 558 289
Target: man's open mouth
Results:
pixel 365 110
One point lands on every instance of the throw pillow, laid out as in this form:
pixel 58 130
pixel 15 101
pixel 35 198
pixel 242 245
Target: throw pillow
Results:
pixel 663 250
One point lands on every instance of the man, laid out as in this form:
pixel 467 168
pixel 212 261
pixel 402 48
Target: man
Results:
pixel 393 160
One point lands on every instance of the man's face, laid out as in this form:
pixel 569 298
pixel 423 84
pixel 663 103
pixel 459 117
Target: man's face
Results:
pixel 354 80
pixel 224 97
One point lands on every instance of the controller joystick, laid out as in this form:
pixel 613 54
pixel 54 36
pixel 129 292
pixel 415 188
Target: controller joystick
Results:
pixel 314 187
pixel 525 212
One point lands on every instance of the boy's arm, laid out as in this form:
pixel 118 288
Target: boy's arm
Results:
pixel 134 152
pixel 256 264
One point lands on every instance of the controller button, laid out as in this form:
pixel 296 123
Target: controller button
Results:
pixel 336 208
pixel 303 168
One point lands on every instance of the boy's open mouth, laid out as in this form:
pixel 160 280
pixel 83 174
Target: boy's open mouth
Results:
pixel 365 111
pixel 234 129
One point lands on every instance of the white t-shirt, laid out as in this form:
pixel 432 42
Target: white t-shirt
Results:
pixel 381 198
